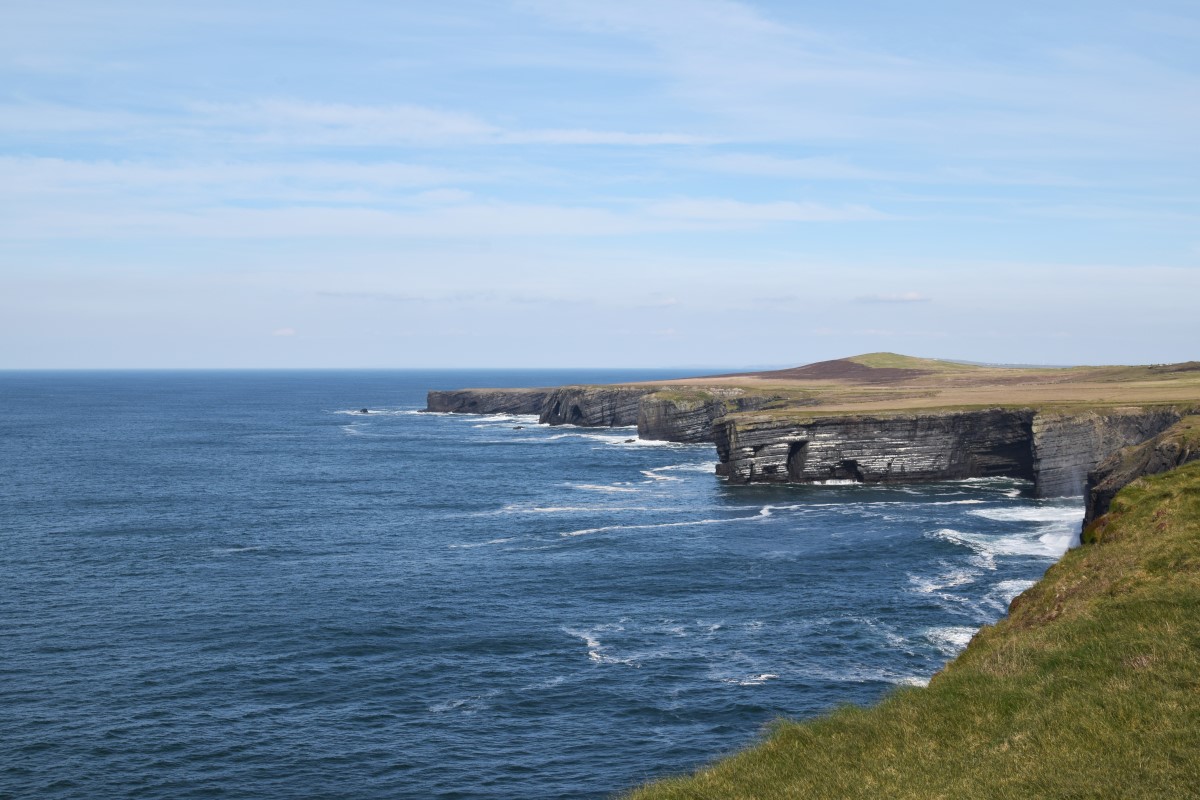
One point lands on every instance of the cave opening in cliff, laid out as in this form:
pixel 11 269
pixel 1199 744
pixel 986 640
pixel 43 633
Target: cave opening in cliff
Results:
pixel 847 469
pixel 797 455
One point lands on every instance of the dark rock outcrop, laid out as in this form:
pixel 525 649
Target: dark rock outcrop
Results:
pixel 1054 449
pixel 688 416
pixel 1066 446
pixel 488 401
pixel 593 406
pixel 876 449
pixel 1172 448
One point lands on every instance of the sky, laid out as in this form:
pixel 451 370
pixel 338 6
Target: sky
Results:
pixel 552 183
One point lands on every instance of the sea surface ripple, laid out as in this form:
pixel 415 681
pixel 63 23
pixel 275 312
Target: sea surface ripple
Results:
pixel 229 584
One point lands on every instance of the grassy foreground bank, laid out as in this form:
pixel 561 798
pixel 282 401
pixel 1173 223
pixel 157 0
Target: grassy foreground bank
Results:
pixel 1089 688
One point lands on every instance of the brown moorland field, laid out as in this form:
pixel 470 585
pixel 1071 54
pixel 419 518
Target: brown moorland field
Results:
pixel 892 382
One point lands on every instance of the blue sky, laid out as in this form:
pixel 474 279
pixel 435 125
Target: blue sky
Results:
pixel 560 183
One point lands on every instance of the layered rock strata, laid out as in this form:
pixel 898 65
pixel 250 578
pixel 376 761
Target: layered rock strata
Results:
pixel 488 401
pixel 1054 449
pixel 593 406
pixel 1174 447
pixel 676 416
pixel 665 415
pixel 1066 446
pixel 875 449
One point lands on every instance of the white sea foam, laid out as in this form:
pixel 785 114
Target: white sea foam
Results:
pixel 515 509
pixel 657 472
pixel 752 680
pixel 949 639
pixel 482 544
pixel 912 680
pixel 765 511
pixel 1031 514
pixel 603 528
pixel 596 651
pixel 608 489
pixel 1047 541
pixel 1005 591
pixel 947 580
pixel 231 550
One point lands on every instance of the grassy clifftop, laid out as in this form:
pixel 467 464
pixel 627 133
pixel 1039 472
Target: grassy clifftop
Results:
pixel 1089 688
pixel 889 382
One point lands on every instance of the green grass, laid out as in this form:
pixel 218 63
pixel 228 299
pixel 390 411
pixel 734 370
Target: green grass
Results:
pixel 898 361
pixel 1089 688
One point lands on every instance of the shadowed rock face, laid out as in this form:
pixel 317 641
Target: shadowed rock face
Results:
pixel 593 406
pixel 1067 446
pixel 675 417
pixel 1054 449
pixel 877 449
pixel 1172 448
pixel 488 401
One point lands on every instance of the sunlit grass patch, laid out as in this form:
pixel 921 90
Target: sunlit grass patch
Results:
pixel 1089 688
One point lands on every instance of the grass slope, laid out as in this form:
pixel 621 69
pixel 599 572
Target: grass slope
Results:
pixel 1089 688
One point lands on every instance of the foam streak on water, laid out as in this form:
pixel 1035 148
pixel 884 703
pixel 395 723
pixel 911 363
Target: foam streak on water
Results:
pixel 236 585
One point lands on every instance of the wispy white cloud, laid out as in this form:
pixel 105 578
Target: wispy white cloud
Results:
pixel 736 212
pixel 896 297
pixel 475 219
pixel 298 123
pixel 814 168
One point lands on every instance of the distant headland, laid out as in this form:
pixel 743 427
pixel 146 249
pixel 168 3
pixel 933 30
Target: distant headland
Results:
pixel 881 417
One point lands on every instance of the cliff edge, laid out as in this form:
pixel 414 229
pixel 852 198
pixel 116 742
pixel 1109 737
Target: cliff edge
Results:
pixel 1174 447
pixel 882 417
pixel 1089 688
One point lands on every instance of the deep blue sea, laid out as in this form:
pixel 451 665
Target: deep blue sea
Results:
pixel 227 585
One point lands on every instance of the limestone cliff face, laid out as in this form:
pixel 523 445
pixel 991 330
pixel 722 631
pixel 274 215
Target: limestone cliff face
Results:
pixel 689 416
pixel 1054 450
pixel 875 449
pixel 593 406
pixel 1066 446
pixel 1174 447
pixel 488 401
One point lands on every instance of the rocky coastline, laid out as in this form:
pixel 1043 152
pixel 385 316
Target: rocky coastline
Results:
pixel 1054 449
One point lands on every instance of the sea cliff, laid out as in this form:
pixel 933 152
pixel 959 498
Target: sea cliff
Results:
pixel 881 418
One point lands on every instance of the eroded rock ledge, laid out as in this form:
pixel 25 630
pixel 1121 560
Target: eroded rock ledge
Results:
pixel 665 414
pixel 1174 447
pixel 1053 449
pixel 888 418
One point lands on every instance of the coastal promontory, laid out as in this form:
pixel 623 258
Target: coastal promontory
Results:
pixel 882 417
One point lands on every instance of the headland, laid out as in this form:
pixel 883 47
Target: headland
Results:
pixel 881 417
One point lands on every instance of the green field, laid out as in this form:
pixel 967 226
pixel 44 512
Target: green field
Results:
pixel 1090 688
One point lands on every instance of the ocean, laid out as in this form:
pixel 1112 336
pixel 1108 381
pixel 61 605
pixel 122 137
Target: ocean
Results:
pixel 229 584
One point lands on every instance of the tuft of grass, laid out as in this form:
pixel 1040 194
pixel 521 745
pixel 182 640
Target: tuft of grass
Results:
pixel 1089 688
